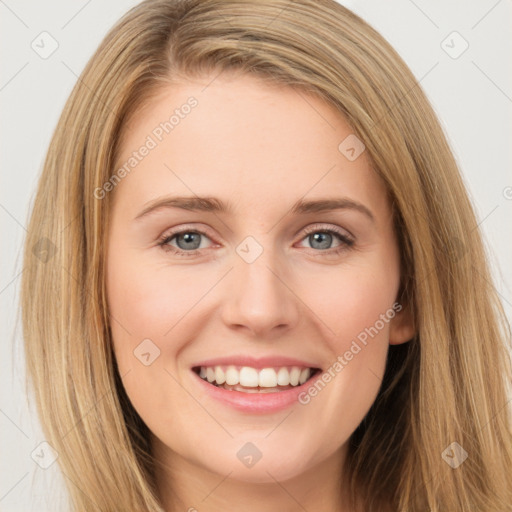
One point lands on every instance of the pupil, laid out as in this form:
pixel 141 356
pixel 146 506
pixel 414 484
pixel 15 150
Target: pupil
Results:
pixel 323 238
pixel 189 239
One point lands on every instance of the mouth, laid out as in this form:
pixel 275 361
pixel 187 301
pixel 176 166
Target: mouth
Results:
pixel 247 379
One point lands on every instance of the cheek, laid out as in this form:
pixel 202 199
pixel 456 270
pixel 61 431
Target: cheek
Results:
pixel 351 300
pixel 354 304
pixel 154 314
pixel 146 301
pixel 150 326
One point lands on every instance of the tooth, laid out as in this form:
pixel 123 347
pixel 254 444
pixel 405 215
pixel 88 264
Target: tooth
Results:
pixel 294 376
pixel 268 378
pixel 220 377
pixel 304 375
pixel 232 376
pixel 248 377
pixel 210 374
pixel 283 377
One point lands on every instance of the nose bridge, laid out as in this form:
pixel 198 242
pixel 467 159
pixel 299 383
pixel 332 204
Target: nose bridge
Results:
pixel 259 298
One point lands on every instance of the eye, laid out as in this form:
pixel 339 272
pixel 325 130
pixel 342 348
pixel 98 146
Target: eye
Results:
pixel 321 238
pixel 188 242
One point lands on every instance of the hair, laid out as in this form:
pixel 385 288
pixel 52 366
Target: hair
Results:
pixel 447 384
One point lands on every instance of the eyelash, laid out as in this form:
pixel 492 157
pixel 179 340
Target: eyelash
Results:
pixel 346 241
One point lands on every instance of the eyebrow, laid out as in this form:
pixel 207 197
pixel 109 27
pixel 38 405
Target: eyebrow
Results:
pixel 212 204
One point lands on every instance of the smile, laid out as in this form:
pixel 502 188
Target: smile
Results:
pixel 247 379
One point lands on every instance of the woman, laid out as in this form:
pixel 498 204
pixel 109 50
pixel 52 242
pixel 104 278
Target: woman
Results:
pixel 259 370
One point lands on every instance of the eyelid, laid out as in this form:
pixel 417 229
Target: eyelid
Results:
pixel 186 227
pixel 319 226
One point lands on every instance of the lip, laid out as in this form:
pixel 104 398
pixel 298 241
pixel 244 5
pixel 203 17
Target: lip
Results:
pixel 254 403
pixel 257 363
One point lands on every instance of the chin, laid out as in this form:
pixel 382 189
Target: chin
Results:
pixel 261 473
pixel 259 466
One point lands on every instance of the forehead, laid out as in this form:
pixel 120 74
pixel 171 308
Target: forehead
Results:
pixel 242 139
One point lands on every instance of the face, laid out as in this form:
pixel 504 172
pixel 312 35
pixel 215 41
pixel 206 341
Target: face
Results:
pixel 291 262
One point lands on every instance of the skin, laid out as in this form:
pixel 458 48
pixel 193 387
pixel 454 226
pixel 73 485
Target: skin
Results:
pixel 260 147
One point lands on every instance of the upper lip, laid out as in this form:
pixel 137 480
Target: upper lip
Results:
pixel 256 362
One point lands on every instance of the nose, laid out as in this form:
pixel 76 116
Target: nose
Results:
pixel 259 298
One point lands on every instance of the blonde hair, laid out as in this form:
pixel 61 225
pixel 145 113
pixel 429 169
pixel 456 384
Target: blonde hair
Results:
pixel 446 385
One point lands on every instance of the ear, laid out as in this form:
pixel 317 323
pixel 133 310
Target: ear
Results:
pixel 401 327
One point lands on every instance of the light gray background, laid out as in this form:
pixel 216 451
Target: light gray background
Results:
pixel 472 95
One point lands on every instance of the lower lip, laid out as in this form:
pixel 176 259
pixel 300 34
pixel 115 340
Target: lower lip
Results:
pixel 255 402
